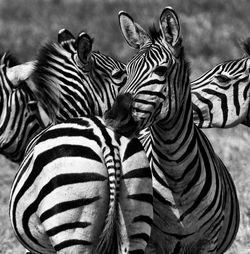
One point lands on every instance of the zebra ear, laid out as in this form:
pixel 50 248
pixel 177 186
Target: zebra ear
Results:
pixel 65 35
pixel 84 47
pixel 170 26
pixel 20 72
pixel 133 33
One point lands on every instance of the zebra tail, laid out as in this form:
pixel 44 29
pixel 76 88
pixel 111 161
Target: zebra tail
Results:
pixel 110 238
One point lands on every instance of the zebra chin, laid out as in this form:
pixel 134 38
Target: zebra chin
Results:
pixel 119 117
pixel 126 127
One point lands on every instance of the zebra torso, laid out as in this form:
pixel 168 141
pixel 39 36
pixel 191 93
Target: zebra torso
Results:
pixel 220 97
pixel 78 182
pixel 195 204
pixel 19 119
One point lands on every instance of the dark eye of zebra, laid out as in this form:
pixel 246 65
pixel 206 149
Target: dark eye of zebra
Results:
pixel 223 78
pixel 117 73
pixel 161 70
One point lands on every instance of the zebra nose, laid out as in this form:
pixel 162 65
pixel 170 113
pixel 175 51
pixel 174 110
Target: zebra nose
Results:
pixel 120 113
pixel 121 107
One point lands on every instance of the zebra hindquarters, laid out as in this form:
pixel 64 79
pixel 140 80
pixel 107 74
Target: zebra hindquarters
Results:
pixel 63 210
pixel 136 198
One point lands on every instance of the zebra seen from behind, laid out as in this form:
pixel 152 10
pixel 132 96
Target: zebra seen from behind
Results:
pixel 221 96
pixel 196 208
pixel 83 189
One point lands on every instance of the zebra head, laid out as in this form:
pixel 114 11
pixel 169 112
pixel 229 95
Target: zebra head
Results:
pixel 71 80
pixel 19 115
pixel 155 75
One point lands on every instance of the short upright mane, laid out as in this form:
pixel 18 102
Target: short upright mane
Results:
pixel 46 90
pixel 246 46
pixel 154 33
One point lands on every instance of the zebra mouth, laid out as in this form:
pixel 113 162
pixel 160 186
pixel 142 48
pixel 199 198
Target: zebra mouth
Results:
pixel 120 118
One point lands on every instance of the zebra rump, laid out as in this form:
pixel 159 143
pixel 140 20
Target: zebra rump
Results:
pixel 83 189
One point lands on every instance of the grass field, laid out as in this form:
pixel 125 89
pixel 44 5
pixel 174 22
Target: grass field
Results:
pixel 211 29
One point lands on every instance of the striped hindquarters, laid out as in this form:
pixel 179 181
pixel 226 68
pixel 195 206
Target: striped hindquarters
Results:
pixel 61 193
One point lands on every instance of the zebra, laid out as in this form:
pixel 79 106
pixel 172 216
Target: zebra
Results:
pixel 22 116
pixel 71 80
pixel 63 92
pixel 221 96
pixel 20 120
pixel 83 189
pixel 196 208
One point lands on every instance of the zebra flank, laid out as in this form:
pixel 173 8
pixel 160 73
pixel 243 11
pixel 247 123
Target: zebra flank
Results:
pixel 83 189
pixel 220 97
pixel 196 209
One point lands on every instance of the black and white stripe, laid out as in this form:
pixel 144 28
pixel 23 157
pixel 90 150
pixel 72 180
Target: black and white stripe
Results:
pixel 83 188
pixel 196 208
pixel 221 96
pixel 19 117
pixel 71 81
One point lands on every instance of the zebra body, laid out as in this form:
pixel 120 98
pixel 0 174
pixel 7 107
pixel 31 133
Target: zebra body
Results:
pixel 221 96
pixel 83 188
pixel 196 208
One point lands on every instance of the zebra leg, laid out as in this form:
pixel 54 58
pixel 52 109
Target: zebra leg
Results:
pixel 136 200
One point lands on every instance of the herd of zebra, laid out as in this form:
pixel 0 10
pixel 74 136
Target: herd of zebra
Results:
pixel 112 157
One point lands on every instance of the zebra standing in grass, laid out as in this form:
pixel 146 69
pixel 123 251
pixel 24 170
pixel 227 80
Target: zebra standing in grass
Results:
pixel 83 189
pixel 20 120
pixel 221 97
pixel 196 208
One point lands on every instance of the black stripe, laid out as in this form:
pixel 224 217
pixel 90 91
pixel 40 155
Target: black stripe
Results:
pixel 144 197
pixel 143 218
pixel 136 252
pixel 138 173
pixel 133 147
pixel 142 236
pixel 64 206
pixel 69 243
pixel 67 226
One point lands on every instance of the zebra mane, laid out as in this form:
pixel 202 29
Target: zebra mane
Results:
pixel 154 33
pixel 46 90
pixel 246 46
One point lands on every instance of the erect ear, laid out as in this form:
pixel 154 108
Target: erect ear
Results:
pixel 133 33
pixel 64 35
pixel 170 26
pixel 84 47
pixel 20 72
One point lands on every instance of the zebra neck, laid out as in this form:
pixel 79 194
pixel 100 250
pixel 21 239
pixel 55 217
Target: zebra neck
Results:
pixel 174 144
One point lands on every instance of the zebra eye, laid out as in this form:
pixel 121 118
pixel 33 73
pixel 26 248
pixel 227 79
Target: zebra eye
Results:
pixel 117 74
pixel 161 70
pixel 223 78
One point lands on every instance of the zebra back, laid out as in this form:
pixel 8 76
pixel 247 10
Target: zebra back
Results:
pixel 221 96
pixel 83 188
pixel 70 80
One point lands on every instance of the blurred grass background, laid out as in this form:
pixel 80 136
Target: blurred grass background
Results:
pixel 212 30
